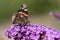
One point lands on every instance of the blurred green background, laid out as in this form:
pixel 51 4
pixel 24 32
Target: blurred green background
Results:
pixel 38 13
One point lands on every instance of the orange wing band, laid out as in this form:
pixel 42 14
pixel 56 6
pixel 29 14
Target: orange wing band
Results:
pixel 24 14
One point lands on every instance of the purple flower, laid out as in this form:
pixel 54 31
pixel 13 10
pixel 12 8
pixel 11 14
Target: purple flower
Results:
pixel 51 13
pixel 32 32
pixel 55 14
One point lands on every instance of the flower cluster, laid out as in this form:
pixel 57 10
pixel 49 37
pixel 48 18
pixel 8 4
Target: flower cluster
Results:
pixel 32 32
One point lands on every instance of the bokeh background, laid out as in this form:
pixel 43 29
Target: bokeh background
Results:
pixel 38 13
